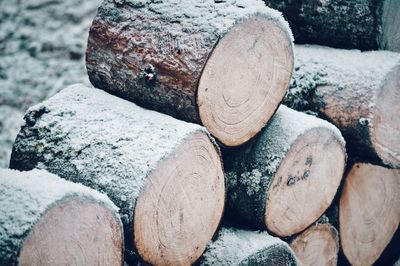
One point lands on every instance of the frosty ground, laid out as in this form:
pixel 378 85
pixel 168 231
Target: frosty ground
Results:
pixel 42 50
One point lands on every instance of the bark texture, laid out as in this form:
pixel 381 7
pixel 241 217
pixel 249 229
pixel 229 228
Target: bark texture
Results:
pixel 153 53
pixel 25 199
pixel 357 92
pixel 109 144
pixel 361 24
pixel 241 247
pixel 254 167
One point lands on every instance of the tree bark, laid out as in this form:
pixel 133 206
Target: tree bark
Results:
pixel 317 245
pixel 360 24
pixel 242 247
pixel 46 220
pixel 224 65
pixel 369 212
pixel 357 92
pixel 275 181
pixel 165 175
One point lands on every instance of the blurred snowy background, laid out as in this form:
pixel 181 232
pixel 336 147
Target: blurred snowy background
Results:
pixel 42 50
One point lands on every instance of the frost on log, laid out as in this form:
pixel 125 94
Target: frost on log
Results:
pixel 286 177
pixel 224 65
pixel 165 175
pixel 359 92
pixel 237 247
pixel 369 212
pixel 362 24
pixel 45 220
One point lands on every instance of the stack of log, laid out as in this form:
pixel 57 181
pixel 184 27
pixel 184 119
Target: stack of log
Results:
pixel 185 117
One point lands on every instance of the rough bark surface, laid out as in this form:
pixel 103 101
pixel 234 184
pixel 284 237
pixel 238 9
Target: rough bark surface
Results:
pixel 25 198
pixel 153 53
pixel 357 92
pixel 240 247
pixel 361 24
pixel 109 144
pixel 252 168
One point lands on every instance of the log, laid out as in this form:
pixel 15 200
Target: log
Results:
pixel 45 220
pixel 165 175
pixel 286 177
pixel 357 92
pixel 224 65
pixel 242 247
pixel 361 24
pixel 369 212
pixel 317 245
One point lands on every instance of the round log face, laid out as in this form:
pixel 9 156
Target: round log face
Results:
pixel 181 206
pixel 385 129
pixel 369 212
pixel 318 245
pixel 244 80
pixel 74 232
pixel 305 183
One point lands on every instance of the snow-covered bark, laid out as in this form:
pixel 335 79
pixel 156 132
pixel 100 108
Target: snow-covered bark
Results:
pixel 357 92
pixel 29 202
pixel 135 156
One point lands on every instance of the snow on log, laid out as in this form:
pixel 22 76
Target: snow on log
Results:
pixel 224 65
pixel 317 245
pixel 369 212
pixel 357 92
pixel 165 175
pixel 389 37
pixel 45 220
pixel 365 24
pixel 241 247
pixel 286 177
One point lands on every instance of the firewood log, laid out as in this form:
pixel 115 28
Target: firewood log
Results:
pixel 165 175
pixel 224 65
pixel 357 92
pixel 286 177
pixel 362 24
pixel 369 212
pixel 318 245
pixel 45 220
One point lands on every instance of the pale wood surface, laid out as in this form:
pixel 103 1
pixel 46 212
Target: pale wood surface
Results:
pixel 157 53
pixel 244 80
pixel 74 232
pixel 317 246
pixel 305 183
pixel 369 212
pixel 181 206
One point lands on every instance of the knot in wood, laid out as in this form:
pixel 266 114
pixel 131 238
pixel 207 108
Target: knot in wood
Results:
pixel 149 73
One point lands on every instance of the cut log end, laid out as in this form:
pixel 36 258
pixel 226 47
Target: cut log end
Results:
pixel 298 187
pixel 74 231
pixel 318 245
pixel 185 194
pixel 385 131
pixel 369 212
pixel 235 100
